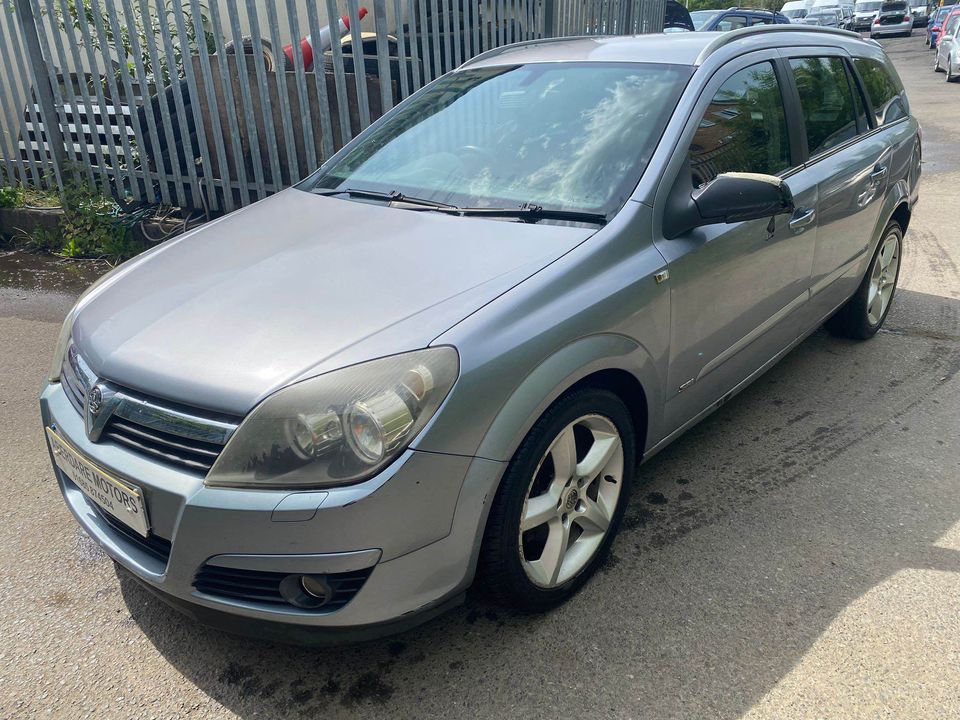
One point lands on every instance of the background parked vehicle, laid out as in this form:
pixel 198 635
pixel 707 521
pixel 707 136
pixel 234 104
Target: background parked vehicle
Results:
pixel 864 14
pixel 826 17
pixel 795 9
pixel 935 26
pixel 676 18
pixel 920 13
pixel 893 20
pixel 735 18
pixel 948 48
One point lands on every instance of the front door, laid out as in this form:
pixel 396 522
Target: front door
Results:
pixel 735 289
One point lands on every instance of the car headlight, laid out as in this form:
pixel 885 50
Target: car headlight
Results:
pixel 339 428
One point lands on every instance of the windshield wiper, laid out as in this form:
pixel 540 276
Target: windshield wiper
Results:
pixel 393 196
pixel 525 213
pixel 534 213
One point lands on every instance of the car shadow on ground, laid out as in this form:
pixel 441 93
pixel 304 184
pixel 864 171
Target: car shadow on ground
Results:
pixel 687 618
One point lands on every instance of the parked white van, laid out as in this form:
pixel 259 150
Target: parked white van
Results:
pixel 795 9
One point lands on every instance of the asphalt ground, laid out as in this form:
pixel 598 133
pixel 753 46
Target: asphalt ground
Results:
pixel 796 555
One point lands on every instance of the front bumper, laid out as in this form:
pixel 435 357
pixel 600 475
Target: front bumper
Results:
pixel 415 528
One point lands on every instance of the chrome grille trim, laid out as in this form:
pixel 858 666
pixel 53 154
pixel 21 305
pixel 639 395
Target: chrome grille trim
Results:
pixel 77 378
pixel 174 434
pixel 132 429
pixel 167 419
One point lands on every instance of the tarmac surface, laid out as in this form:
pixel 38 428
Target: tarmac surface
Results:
pixel 796 555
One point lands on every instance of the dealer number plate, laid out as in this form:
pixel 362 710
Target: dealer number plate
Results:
pixel 121 500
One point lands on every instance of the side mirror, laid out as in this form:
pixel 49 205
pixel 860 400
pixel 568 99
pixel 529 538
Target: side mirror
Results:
pixel 728 198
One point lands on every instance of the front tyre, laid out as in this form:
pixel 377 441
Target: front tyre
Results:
pixel 865 312
pixel 560 502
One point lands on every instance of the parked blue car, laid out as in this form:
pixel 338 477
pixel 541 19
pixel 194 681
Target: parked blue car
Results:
pixel 735 17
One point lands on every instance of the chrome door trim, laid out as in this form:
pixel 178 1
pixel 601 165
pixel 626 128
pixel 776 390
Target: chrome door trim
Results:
pixel 753 334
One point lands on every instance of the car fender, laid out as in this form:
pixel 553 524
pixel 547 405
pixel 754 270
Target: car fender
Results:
pixel 553 377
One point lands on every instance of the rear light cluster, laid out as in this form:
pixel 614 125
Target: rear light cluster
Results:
pixel 907 18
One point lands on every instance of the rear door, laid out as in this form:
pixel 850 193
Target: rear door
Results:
pixel 735 289
pixel 851 167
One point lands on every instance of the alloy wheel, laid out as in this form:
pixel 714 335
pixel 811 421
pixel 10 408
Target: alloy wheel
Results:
pixel 883 276
pixel 571 501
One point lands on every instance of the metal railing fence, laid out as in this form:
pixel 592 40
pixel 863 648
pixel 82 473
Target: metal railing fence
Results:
pixel 218 103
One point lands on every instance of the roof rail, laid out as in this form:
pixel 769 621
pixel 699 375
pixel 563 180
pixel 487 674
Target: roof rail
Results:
pixel 740 33
pixel 752 9
pixel 493 52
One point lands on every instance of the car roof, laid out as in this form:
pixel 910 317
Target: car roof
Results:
pixel 690 48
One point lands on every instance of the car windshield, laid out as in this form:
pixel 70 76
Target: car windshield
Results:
pixel 893 7
pixel 561 136
pixel 822 17
pixel 702 18
pixel 795 13
pixel 863 7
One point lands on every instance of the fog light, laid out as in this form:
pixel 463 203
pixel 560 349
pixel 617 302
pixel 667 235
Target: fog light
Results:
pixel 316 587
pixel 306 591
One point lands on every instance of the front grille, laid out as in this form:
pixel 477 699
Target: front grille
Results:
pixel 153 545
pixel 263 587
pixel 189 453
pixel 184 437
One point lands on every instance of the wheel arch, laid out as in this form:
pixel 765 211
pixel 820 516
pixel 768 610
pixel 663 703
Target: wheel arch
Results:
pixel 901 214
pixel 613 362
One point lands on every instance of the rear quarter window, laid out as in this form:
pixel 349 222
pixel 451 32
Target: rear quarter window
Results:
pixel 883 89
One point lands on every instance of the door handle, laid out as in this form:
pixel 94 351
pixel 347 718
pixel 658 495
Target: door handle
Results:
pixel 879 173
pixel 801 219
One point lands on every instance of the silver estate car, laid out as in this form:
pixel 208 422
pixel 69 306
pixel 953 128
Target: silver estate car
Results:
pixel 443 356
pixel 948 48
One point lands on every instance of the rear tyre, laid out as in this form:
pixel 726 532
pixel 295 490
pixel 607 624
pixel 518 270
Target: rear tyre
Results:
pixel 560 502
pixel 864 313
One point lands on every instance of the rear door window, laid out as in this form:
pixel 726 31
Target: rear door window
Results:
pixel 826 102
pixel 883 89
pixel 744 129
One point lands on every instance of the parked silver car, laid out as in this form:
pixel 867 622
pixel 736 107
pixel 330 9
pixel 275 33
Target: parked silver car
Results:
pixel 445 353
pixel 948 48
pixel 894 18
